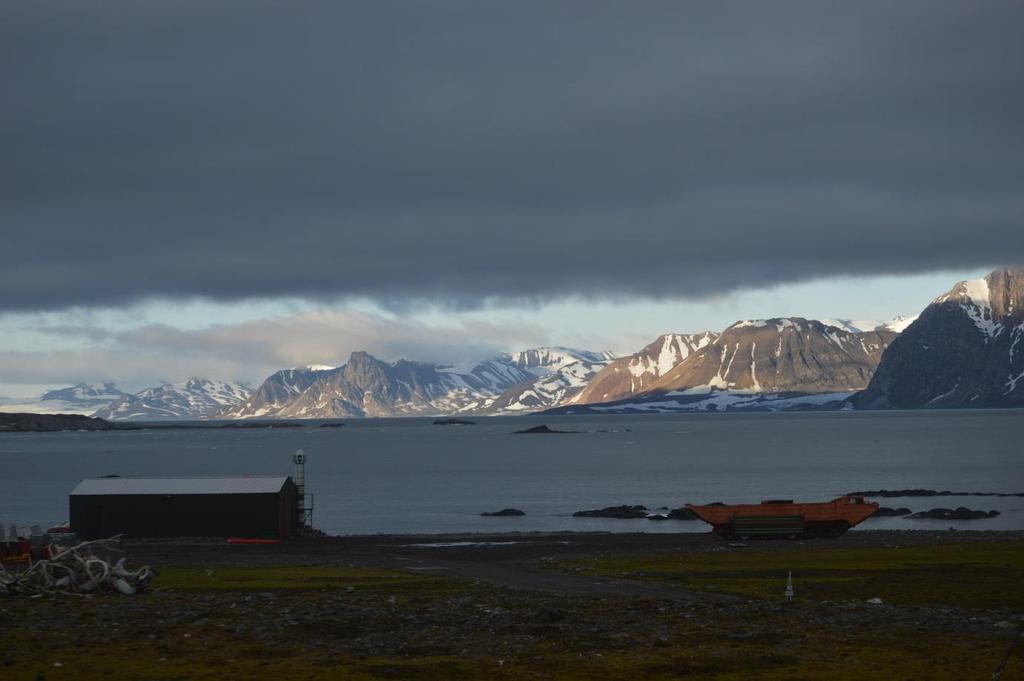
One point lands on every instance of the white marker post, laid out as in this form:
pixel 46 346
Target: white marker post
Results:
pixel 789 587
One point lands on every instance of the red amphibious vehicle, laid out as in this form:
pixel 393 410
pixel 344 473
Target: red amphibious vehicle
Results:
pixel 783 518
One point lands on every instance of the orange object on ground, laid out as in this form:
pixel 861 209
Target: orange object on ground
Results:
pixel 252 540
pixel 785 518
pixel 19 550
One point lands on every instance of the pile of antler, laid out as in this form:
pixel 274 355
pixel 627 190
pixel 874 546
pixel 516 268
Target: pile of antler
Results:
pixel 76 570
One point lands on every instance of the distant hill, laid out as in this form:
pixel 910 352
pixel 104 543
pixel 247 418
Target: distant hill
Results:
pixel 763 364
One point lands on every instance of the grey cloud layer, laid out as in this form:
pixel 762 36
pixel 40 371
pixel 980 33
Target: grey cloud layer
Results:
pixel 466 151
pixel 250 351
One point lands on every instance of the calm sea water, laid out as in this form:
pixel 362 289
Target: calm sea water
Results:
pixel 406 475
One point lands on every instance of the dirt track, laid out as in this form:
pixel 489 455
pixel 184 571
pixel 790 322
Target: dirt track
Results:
pixel 511 560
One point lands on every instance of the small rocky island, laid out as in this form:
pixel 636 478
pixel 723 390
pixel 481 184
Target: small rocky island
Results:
pixel 454 422
pixel 918 492
pixel 504 513
pixel 622 512
pixel 626 512
pixel 543 430
pixel 959 513
pixel 886 512
pixel 46 423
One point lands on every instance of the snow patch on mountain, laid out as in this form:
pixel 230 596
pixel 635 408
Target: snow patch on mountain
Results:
pixel 978 308
pixel 897 324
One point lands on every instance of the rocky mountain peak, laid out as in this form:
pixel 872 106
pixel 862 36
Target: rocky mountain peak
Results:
pixel 636 373
pixel 966 349
pixel 992 302
pixel 1006 293
pixel 781 354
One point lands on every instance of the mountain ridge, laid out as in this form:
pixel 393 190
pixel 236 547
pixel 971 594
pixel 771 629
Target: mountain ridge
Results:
pixel 195 398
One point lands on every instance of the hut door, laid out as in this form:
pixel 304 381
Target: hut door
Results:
pixel 94 521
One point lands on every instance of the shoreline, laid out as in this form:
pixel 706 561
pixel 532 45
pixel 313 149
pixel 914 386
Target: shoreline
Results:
pixel 517 550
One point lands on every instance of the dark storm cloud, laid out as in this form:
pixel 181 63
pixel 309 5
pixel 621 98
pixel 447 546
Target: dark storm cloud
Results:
pixel 480 150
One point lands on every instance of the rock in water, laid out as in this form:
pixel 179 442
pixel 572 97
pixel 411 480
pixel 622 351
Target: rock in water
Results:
pixel 543 430
pixel 682 514
pixel 959 513
pixel 623 512
pixel 454 422
pixel 885 511
pixel 505 512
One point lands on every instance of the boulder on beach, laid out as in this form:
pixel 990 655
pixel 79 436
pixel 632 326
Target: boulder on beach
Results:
pixel 959 513
pixel 454 422
pixel 622 512
pixel 885 511
pixel 543 430
pixel 505 512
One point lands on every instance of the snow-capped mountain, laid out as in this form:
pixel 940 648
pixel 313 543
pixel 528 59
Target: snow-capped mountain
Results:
pixel 637 373
pixel 196 398
pixel 366 386
pixel 276 392
pixel 896 324
pixel 760 364
pixel 966 349
pixel 781 354
pixel 562 386
pixel 84 398
pixel 493 375
pixel 542 361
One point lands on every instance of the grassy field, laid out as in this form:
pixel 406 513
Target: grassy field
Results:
pixel 973 576
pixel 334 622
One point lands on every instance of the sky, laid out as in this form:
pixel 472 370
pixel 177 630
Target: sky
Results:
pixel 223 188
